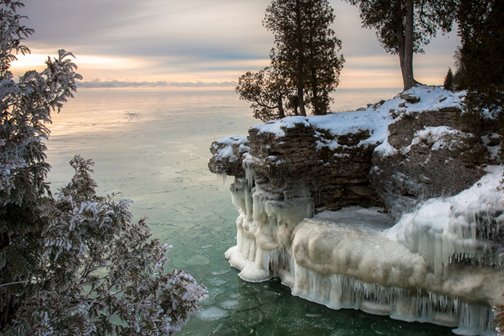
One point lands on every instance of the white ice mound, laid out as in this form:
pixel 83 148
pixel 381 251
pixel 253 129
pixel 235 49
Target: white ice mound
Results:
pixel 353 245
pixel 442 263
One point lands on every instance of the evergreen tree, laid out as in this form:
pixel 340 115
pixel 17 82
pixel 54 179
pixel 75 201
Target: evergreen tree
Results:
pixel 459 78
pixel 448 81
pixel 305 64
pixel 404 26
pixel 306 49
pixel 266 90
pixel 73 263
pixel 482 53
pixel 323 62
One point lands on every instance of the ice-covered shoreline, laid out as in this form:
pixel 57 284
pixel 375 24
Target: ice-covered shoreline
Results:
pixel 441 263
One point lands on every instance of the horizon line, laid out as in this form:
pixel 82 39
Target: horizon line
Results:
pixel 98 84
pixel 125 84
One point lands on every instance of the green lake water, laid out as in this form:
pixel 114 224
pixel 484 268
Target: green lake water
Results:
pixel 152 146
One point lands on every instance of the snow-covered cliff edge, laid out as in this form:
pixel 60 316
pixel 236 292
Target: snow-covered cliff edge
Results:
pixel 389 209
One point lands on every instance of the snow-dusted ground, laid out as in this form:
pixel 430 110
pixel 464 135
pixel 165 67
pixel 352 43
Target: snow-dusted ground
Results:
pixel 375 119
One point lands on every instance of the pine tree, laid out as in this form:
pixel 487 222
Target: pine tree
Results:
pixel 404 26
pixel 482 52
pixel 305 64
pixel 306 49
pixel 266 90
pixel 323 62
pixel 448 81
pixel 459 78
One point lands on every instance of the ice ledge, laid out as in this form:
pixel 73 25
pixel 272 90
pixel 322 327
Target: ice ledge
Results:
pixel 341 261
pixel 442 263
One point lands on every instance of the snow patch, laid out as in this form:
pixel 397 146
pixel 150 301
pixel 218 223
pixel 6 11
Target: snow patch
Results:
pixel 385 149
pixel 433 98
pixel 277 127
pixel 224 147
pixel 437 138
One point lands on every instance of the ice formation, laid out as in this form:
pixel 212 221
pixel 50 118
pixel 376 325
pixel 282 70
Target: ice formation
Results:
pixel 441 263
pixel 420 269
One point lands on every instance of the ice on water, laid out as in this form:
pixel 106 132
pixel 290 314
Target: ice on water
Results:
pixel 212 313
pixel 438 264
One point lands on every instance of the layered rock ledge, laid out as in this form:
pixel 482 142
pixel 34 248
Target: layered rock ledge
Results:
pixel 392 209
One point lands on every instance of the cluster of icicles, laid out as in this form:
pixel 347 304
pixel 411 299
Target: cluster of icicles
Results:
pixel 356 258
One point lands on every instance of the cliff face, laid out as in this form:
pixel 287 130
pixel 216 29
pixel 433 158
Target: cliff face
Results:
pixel 311 195
pixel 299 157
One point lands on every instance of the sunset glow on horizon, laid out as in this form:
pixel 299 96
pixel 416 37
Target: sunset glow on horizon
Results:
pixel 197 42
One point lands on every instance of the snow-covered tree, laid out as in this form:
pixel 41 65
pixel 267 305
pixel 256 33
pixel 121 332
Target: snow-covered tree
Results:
pixel 74 263
pixel 98 272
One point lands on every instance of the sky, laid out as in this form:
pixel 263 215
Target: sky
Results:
pixel 201 42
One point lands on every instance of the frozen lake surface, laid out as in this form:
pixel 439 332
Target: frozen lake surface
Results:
pixel 152 146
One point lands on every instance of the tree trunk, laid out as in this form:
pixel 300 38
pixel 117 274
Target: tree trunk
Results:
pixel 300 60
pixel 399 33
pixel 315 99
pixel 281 110
pixel 407 57
pixel 317 108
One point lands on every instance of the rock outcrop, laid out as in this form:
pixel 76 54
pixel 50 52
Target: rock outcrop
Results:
pixel 227 155
pixel 318 198
pixel 428 153
pixel 301 157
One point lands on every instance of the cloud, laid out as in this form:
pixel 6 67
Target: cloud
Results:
pixel 180 41
pixel 158 84
pixel 150 27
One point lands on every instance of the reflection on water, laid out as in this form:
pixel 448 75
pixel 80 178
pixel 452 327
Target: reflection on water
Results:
pixel 152 145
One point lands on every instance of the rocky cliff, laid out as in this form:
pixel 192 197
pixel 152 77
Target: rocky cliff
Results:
pixel 318 197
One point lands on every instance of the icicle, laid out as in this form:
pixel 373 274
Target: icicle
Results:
pixel 413 272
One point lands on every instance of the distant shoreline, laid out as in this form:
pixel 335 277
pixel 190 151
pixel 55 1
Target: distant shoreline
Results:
pixel 194 85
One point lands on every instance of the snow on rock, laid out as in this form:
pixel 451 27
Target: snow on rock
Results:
pixel 375 118
pixel 227 155
pixel 436 138
pixel 278 127
pixel 224 147
pixel 431 98
pixel 442 262
pixel 430 150
pixel 492 142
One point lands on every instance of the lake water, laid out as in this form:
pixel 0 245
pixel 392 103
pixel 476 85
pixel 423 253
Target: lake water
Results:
pixel 152 146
